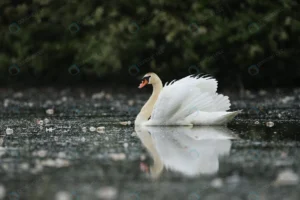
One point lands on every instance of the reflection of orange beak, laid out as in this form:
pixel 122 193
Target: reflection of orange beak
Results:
pixel 143 83
pixel 144 167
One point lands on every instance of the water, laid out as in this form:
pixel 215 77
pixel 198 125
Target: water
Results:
pixel 52 156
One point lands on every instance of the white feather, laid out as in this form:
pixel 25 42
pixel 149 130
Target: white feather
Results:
pixel 179 101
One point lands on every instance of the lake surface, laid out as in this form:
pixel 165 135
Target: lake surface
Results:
pixel 49 149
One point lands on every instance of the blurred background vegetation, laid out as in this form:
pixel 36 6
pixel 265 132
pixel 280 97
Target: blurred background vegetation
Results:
pixel 244 44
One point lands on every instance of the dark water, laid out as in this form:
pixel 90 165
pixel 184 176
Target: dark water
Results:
pixel 61 160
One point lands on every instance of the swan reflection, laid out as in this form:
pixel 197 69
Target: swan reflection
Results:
pixel 188 150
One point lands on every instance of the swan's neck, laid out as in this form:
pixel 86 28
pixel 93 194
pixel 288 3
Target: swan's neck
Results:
pixel 146 111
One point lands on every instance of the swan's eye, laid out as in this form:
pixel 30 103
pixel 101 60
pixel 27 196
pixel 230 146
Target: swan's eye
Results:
pixel 146 78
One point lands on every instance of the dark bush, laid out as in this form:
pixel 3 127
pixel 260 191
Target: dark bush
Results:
pixel 243 43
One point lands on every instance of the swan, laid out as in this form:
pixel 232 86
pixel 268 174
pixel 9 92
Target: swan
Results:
pixel 192 100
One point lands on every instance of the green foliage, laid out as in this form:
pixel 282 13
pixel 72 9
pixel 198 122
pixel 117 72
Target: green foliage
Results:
pixel 104 38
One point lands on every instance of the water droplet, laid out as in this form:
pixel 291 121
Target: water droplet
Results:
pixel 270 124
pixel 42 153
pixel 92 128
pixel 9 131
pixel 50 129
pixel 133 134
pixel 107 193
pixel 287 177
pixel 216 183
pixel 100 129
pixel 50 111
pixel 62 195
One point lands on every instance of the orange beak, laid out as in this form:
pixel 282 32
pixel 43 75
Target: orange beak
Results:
pixel 143 83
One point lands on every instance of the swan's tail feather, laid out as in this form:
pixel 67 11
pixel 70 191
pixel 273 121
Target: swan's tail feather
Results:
pixel 211 118
pixel 230 115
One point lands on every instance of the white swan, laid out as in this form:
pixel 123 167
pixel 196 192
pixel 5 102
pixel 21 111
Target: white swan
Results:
pixel 188 101
pixel 190 151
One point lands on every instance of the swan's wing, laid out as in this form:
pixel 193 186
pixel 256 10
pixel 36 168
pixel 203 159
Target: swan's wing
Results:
pixel 180 99
pixel 204 83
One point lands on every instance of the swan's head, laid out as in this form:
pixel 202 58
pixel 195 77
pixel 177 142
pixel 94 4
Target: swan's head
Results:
pixel 149 78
